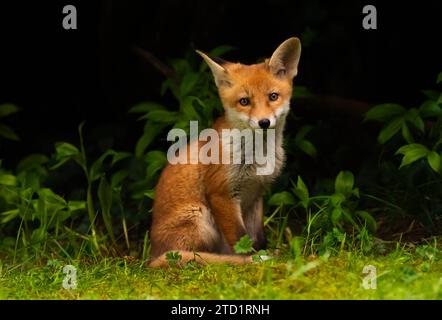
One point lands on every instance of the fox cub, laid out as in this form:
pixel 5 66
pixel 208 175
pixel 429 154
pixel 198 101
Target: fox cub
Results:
pixel 202 210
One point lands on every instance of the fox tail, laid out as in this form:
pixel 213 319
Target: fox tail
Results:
pixel 200 258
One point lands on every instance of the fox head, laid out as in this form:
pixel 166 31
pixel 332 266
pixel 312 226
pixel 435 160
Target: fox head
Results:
pixel 257 96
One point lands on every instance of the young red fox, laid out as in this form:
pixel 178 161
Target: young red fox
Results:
pixel 202 210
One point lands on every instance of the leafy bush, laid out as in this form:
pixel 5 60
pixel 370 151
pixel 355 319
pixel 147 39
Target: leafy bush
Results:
pixel 419 174
pixel 337 213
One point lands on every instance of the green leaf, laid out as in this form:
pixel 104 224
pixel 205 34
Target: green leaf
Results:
pixel 59 163
pixel 118 156
pixel 336 215
pixel 282 198
pixel 434 160
pixel 182 124
pixel 49 202
pixel 7 109
pixel 344 182
pixel 118 177
pixel 161 116
pixel 155 160
pixel 384 112
pixel 151 131
pixel 302 132
pixel 412 153
pixel 368 219
pixel 307 147
pixel 303 144
pixel 188 83
pixel 144 141
pixel 51 197
pixel 390 130
pixel 301 191
pixel 406 133
pixel 145 107
pixel 431 94
pixel 155 155
pixel 32 178
pixel 439 77
pixel 336 199
pixel 181 66
pixel 7 133
pixel 97 167
pixel 430 109
pixel 150 194
pixel 355 192
pixel 412 116
pixel 244 245
pixel 75 205
pixel 189 109
pixel 8 179
pixel 347 215
pixel 105 198
pixel 9 215
pixel 167 84
pixel 32 161
pixel 65 150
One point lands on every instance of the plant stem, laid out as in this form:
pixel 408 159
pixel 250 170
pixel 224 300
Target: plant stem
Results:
pixel 91 213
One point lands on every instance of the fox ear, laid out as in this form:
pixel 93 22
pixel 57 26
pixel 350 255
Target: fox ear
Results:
pixel 284 61
pixel 219 72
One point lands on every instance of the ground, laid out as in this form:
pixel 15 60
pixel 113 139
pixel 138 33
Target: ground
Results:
pixel 401 274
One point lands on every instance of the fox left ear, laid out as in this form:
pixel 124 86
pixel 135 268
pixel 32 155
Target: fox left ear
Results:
pixel 219 72
pixel 284 61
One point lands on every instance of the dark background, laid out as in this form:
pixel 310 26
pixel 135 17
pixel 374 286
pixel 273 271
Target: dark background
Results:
pixel 62 77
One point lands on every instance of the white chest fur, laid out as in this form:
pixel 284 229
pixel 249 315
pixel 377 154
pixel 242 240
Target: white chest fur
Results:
pixel 247 186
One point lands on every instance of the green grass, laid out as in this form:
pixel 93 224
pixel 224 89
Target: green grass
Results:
pixel 402 274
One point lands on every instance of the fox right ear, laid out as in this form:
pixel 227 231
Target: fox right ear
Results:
pixel 219 72
pixel 284 61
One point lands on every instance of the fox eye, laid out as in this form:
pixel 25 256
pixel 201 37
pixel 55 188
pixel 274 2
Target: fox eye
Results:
pixel 273 96
pixel 244 101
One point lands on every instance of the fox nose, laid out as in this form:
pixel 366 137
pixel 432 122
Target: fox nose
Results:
pixel 264 123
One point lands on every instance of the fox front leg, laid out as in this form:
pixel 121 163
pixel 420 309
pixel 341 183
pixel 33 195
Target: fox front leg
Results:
pixel 254 221
pixel 227 214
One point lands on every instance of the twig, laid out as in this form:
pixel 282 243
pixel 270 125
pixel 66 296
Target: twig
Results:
pixel 156 63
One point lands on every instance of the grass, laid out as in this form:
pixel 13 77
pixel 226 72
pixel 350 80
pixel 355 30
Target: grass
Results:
pixel 401 274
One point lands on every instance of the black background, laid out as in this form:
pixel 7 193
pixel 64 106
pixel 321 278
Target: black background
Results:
pixel 62 77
